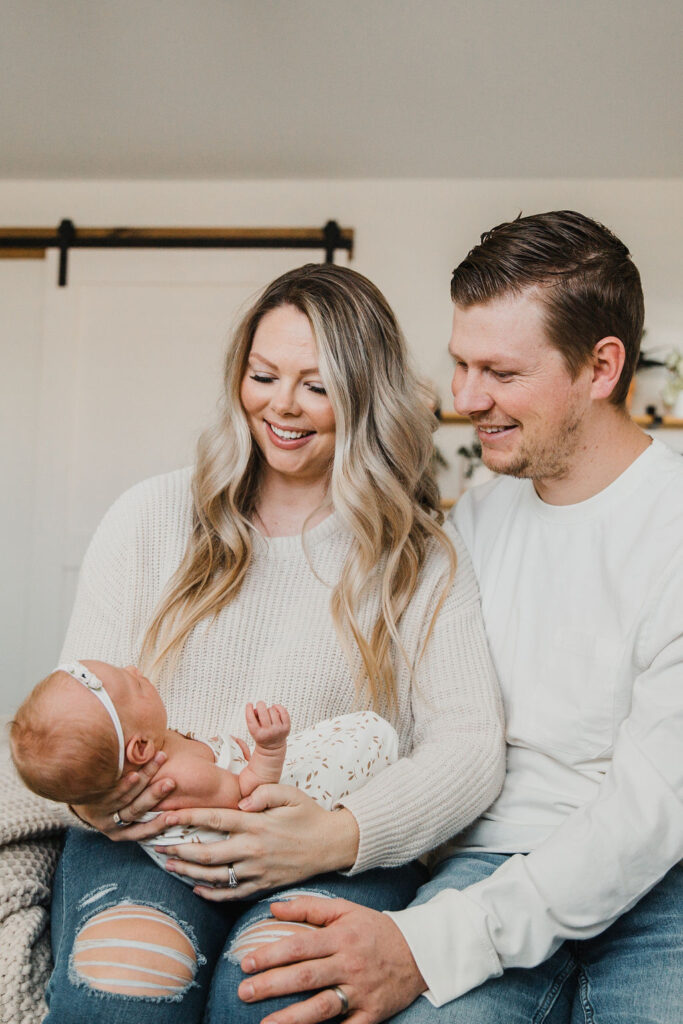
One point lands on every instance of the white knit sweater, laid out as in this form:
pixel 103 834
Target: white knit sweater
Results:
pixel 276 642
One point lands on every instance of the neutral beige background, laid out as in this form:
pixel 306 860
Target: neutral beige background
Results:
pixel 409 235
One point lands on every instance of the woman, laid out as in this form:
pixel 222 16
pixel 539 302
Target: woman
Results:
pixel 303 562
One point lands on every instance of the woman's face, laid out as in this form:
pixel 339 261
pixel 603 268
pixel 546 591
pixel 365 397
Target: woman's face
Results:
pixel 288 411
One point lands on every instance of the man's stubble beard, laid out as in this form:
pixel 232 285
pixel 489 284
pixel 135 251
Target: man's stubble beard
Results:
pixel 550 459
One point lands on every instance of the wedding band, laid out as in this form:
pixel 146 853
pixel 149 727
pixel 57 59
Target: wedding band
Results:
pixel 232 877
pixel 118 820
pixel 342 999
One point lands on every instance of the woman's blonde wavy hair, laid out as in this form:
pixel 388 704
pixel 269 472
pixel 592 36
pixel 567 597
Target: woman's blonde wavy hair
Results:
pixel 381 482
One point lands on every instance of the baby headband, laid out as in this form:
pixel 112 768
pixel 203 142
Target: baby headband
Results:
pixel 89 679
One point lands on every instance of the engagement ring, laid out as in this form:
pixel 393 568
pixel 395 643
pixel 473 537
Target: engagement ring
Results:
pixel 118 821
pixel 232 877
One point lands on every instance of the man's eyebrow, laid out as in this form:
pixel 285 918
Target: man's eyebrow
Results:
pixel 262 359
pixel 497 359
pixel 507 362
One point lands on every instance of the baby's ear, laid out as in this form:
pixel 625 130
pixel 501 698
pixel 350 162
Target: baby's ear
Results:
pixel 140 749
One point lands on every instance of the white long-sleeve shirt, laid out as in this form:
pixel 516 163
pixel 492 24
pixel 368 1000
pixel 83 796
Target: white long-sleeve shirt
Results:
pixel 276 642
pixel 583 606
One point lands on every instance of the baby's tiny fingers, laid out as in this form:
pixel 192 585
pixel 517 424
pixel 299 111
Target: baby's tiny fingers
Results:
pixel 267 719
pixel 261 712
pixel 283 714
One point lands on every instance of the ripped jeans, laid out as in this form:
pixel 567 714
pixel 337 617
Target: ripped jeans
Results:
pixel 132 944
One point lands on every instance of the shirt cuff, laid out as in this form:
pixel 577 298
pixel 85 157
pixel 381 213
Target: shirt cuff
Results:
pixel 375 842
pixel 450 944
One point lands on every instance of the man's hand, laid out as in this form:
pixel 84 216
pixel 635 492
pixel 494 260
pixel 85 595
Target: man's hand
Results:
pixel 360 950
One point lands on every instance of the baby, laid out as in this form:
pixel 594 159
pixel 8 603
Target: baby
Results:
pixel 88 723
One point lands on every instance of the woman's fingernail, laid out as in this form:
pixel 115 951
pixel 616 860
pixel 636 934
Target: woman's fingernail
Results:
pixel 160 757
pixel 167 786
pixel 171 819
pixel 248 965
pixel 170 865
pixel 245 804
pixel 246 990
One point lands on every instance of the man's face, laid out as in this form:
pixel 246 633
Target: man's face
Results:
pixel 514 385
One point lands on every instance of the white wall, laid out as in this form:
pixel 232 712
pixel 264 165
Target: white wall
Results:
pixel 21 291
pixel 409 235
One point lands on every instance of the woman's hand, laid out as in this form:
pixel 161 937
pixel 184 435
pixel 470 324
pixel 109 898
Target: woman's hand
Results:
pixel 291 839
pixel 132 797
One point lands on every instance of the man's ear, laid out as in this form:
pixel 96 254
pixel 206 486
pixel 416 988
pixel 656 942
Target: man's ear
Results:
pixel 140 749
pixel 609 356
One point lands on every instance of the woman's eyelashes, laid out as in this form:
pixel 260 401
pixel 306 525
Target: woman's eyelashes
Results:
pixel 266 378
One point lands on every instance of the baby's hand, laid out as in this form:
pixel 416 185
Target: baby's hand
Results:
pixel 268 726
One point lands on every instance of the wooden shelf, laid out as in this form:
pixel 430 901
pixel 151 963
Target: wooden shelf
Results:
pixel 22 254
pixel 452 417
pixel 671 422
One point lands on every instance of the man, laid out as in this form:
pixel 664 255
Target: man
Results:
pixel 563 902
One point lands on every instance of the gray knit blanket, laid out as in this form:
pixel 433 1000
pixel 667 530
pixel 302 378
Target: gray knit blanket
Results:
pixel 30 842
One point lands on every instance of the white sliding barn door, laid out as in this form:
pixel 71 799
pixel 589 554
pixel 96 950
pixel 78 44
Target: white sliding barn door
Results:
pixel 132 363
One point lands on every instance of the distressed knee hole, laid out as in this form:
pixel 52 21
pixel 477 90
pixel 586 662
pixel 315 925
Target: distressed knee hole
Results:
pixel 261 933
pixel 135 950
pixel 97 894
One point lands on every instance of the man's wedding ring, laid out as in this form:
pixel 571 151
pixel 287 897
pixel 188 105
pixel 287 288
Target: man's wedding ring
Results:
pixel 232 877
pixel 342 999
pixel 118 820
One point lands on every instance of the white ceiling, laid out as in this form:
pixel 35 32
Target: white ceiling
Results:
pixel 340 88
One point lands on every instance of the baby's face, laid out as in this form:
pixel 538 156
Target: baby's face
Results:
pixel 136 700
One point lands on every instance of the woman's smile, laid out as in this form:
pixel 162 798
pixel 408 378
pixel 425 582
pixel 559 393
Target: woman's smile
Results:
pixel 289 413
pixel 288 437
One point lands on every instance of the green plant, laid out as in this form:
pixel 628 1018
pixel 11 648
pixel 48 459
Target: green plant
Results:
pixel 439 460
pixel 473 456
pixel 674 382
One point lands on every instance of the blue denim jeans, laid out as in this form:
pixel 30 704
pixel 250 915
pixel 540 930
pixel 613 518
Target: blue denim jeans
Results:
pixel 112 889
pixel 630 974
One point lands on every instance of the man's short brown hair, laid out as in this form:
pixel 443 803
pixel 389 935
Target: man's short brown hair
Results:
pixel 587 283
